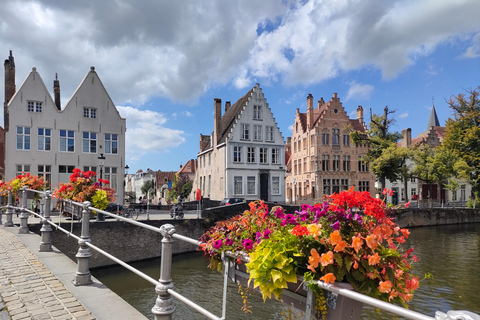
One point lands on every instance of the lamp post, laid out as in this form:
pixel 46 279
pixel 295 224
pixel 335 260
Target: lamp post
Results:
pixel 101 163
pixel 125 184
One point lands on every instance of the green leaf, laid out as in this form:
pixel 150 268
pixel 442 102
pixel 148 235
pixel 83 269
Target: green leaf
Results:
pixel 276 274
pixel 348 262
pixel 338 259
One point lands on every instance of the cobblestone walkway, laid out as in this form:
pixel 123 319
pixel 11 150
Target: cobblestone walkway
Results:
pixel 29 290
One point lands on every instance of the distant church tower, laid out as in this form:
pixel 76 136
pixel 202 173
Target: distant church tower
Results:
pixel 433 120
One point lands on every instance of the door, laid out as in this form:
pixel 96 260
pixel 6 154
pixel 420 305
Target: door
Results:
pixel 264 186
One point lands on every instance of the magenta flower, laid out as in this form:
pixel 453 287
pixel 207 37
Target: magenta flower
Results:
pixel 267 233
pixel 335 226
pixel 217 244
pixel 247 243
pixel 279 213
pixel 228 242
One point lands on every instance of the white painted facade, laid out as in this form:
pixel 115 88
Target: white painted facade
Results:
pixel 46 141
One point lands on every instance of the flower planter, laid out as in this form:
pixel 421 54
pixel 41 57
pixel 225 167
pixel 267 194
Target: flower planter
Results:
pixel 69 209
pixel 299 296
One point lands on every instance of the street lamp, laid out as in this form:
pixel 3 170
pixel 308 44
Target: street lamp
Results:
pixel 125 184
pixel 101 163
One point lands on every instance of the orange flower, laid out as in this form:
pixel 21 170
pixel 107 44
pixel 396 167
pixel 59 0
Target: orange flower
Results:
pixel 373 260
pixel 328 278
pixel 385 286
pixel 340 246
pixel 412 284
pixel 335 237
pixel 405 232
pixel 372 242
pixel 357 243
pixel 314 230
pixel 355 265
pixel 327 258
pixel 313 260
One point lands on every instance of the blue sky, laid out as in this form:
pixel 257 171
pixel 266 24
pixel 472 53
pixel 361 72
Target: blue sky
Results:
pixel 164 62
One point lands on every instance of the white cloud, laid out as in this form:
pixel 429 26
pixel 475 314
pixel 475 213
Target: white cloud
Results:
pixel 146 133
pixel 474 50
pixel 403 115
pixel 359 91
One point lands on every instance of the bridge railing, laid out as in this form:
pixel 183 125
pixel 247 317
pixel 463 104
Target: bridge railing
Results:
pixel 164 307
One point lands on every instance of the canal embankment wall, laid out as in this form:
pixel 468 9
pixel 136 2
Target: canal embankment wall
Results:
pixel 423 217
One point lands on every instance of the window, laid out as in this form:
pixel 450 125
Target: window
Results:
pixel 336 163
pixel 64 173
pixel 336 136
pixel 45 171
pixel 269 133
pixel 299 166
pixel 363 186
pixel 462 193
pixel 89 112
pixel 362 166
pixel 257 112
pixel 250 154
pixel 111 175
pixel 250 185
pixel 257 132
pixel 209 159
pixel 304 143
pixel 22 169
pixel 111 143
pixel 325 161
pixel 327 186
pixel 34 106
pixel 89 142
pixel 209 184
pixel 275 185
pixel 346 140
pixel 346 163
pixel 299 145
pixel 90 168
pixel 67 141
pixel 263 155
pixel 237 184
pixel 245 133
pixel 44 139
pixel 304 165
pixel 275 156
pixel 335 185
pixel 413 192
pixel 312 140
pixel 23 138
pixel 237 154
pixel 295 167
pixel 295 146
pixel 325 138
pixel 413 179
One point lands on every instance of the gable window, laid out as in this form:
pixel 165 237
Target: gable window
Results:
pixel 111 143
pixel 22 169
pixel 34 106
pixel 257 132
pixel 44 139
pixel 67 141
pixel 269 133
pixel 251 185
pixel 263 155
pixel 237 154
pixel 89 112
pixel 237 185
pixel 245 131
pixel 250 154
pixel 45 171
pixel 257 112
pixel 275 156
pixel 325 138
pixel 23 138
pixel 89 142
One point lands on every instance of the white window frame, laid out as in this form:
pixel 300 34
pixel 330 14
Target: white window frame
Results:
pixel 45 171
pixel 275 185
pixel 251 185
pixel 238 185
pixel 64 141
pixel 89 112
pixel 44 139
pixel 237 154
pixel 64 172
pixel 276 156
pixel 22 169
pixel 89 142
pixel 263 155
pixel 245 131
pixel 257 132
pixel 111 143
pixel 34 106
pixel 23 138
pixel 257 112
pixel 250 154
pixel 269 134
pixel 111 174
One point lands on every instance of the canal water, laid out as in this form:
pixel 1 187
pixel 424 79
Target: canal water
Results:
pixel 451 254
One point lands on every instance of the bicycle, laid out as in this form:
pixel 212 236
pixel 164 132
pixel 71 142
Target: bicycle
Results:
pixel 130 212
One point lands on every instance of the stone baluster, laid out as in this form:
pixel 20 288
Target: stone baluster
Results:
pixel 9 212
pixel 83 275
pixel 164 306
pixel 24 214
pixel 46 230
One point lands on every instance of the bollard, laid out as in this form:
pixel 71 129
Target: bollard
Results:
pixel 24 214
pixel 46 230
pixel 164 306
pixel 83 275
pixel 9 212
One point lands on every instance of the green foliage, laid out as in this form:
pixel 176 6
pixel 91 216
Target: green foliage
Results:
pixel 474 202
pixel 186 189
pixel 147 185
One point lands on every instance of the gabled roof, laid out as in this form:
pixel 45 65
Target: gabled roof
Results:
pixel 188 168
pixel 228 119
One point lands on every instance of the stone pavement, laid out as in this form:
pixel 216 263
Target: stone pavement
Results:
pixel 37 285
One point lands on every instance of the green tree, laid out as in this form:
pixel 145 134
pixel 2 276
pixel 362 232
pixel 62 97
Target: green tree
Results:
pixel 463 132
pixel 147 185
pixel 180 185
pixel 384 157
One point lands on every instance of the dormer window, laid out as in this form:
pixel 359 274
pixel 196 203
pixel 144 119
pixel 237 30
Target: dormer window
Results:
pixel 89 112
pixel 34 106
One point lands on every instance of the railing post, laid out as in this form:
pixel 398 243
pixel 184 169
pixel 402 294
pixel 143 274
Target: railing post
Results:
pixel 24 214
pixel 164 306
pixel 46 230
pixel 9 212
pixel 83 275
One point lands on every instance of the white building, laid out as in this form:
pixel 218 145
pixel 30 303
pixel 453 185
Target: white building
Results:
pixel 244 157
pixel 46 140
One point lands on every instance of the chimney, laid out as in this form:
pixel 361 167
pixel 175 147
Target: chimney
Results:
pixel 335 98
pixel 360 114
pixel 56 92
pixel 406 137
pixel 320 102
pixel 227 105
pixel 9 86
pixel 309 111
pixel 217 117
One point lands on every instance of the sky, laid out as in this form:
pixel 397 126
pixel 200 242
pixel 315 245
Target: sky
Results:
pixel 164 62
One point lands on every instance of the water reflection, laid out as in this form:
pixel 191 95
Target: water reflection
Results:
pixel 450 253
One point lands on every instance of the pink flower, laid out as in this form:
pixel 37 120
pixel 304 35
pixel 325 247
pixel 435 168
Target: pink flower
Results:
pixel 228 242
pixel 247 243
pixel 217 244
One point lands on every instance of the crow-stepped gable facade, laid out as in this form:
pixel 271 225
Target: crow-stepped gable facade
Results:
pixel 46 140
pixel 323 158
pixel 244 157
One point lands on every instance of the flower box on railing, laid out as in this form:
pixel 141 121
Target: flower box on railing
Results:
pixel 299 296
